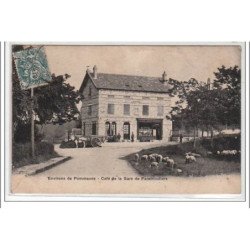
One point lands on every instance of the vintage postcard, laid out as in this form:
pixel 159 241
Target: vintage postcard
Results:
pixel 125 121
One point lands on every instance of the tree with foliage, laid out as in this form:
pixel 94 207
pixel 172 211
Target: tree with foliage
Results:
pixel 55 102
pixel 229 81
pixel 202 108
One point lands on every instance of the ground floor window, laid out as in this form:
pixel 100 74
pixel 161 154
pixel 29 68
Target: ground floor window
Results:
pixel 93 128
pixel 110 128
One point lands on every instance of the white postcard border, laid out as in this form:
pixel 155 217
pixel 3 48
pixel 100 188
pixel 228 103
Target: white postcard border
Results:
pixel 119 197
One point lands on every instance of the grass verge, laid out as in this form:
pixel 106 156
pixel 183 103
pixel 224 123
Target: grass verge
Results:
pixel 205 165
pixel 21 154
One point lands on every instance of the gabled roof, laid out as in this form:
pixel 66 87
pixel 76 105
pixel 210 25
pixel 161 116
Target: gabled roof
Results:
pixel 126 83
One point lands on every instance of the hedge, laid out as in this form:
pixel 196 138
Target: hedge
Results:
pixel 21 153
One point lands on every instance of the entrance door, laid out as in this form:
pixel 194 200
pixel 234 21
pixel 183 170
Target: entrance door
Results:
pixel 126 131
pixel 158 133
pixel 113 128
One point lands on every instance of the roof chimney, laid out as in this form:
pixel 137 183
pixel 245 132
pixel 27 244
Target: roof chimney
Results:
pixel 95 72
pixel 164 77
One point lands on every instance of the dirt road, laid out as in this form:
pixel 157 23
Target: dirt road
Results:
pixel 103 171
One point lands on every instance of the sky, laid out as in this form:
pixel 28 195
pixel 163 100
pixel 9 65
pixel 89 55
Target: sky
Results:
pixel 179 62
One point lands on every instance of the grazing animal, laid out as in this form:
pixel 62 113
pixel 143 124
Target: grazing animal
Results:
pixel 154 155
pixel 195 155
pixel 189 158
pixel 159 158
pixel 144 158
pixel 170 163
pixel 136 157
pixel 164 159
pixel 151 158
pixel 179 170
pixel 154 164
pixel 234 152
pixel 229 152
pixel 192 158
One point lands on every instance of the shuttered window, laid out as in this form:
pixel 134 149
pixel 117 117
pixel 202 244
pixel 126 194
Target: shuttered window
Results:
pixel 111 109
pixel 126 109
pixel 145 110
pixel 89 110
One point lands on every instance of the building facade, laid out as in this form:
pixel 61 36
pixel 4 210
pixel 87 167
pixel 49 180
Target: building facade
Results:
pixel 125 105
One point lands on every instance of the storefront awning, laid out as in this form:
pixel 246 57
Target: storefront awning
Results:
pixel 149 120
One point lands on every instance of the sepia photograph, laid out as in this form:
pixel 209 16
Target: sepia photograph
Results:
pixel 125 124
pixel 163 121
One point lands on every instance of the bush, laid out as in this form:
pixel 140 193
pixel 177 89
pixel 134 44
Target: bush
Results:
pixel 225 142
pixel 44 148
pixel 22 133
pixel 21 153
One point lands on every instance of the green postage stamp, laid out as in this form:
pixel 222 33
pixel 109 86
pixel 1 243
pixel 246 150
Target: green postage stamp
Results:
pixel 32 67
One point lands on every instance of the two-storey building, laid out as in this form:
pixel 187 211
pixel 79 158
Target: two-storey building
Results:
pixel 124 104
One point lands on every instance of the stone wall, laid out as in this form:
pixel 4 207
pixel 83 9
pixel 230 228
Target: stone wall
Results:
pixel 90 99
pixel 136 101
pixel 99 101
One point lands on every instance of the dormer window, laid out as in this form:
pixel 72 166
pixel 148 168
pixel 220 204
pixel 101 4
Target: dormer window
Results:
pixel 90 90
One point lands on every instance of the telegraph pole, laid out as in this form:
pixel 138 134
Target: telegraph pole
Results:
pixel 36 56
pixel 32 124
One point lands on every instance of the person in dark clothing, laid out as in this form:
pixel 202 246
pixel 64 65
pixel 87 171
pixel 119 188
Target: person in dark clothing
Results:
pixel 132 137
pixel 181 137
pixel 118 137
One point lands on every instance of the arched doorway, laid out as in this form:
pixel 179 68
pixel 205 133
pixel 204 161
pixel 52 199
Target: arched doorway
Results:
pixel 113 128
pixel 126 131
pixel 107 128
